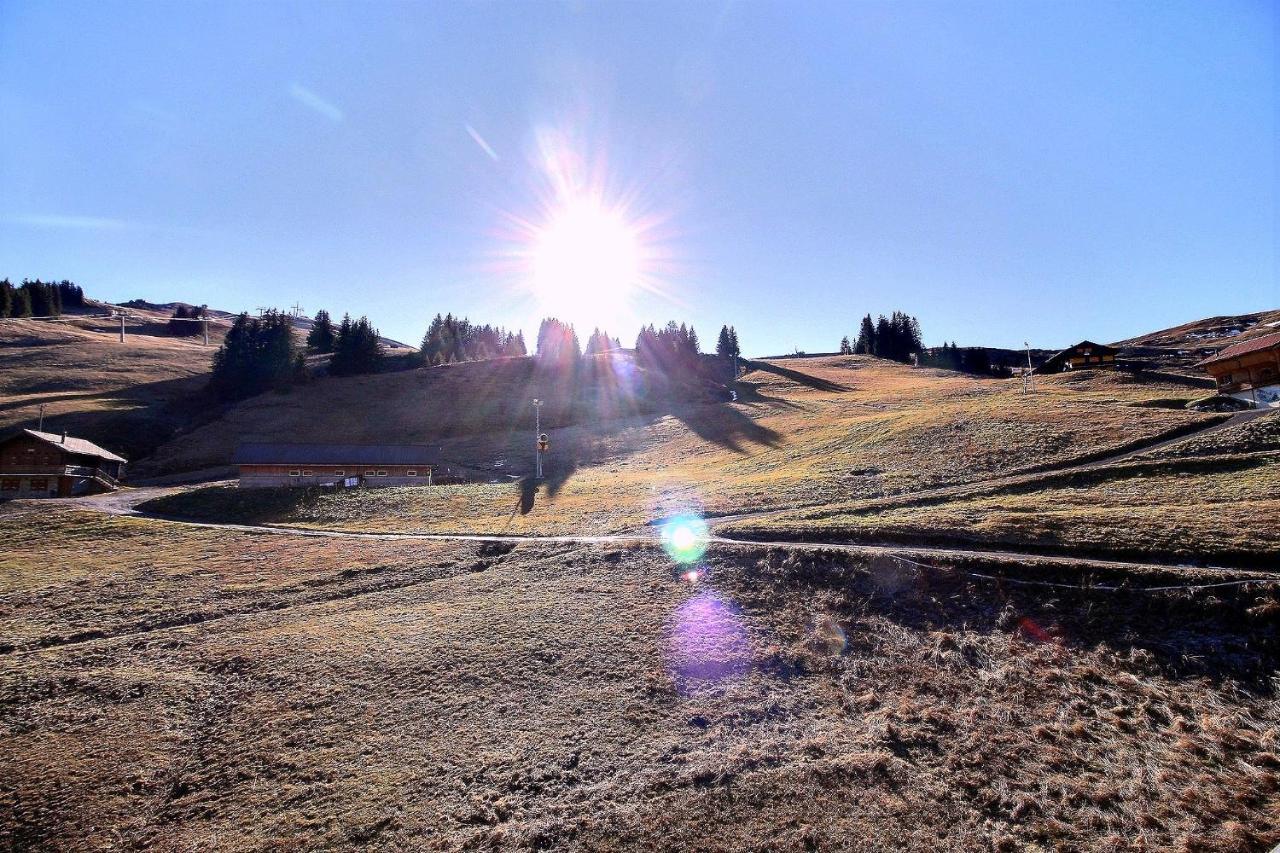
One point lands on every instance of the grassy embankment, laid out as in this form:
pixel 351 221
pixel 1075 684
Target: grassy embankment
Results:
pixel 1206 498
pixel 282 691
pixel 803 434
pixel 130 397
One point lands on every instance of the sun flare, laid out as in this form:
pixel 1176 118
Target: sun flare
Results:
pixel 586 263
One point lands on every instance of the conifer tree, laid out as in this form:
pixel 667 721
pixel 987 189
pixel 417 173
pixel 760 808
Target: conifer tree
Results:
pixel 257 354
pixel 356 348
pixel 321 336
pixel 866 344
pixel 724 346
pixel 21 303
pixel 558 342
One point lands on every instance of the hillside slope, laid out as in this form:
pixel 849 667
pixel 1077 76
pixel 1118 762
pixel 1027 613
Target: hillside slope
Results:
pixel 128 396
pixel 808 433
pixel 1209 333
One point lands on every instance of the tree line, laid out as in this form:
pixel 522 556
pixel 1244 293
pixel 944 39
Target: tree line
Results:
pixel 896 337
pixel 964 359
pixel 181 313
pixel 38 298
pixel 449 339
pixel 258 354
pixel 354 346
pixel 262 353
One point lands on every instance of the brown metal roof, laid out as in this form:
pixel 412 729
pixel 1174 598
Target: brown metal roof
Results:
pixel 74 445
pixel 281 453
pixel 1244 348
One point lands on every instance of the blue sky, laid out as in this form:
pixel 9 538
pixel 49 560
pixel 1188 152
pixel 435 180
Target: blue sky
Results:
pixel 1005 171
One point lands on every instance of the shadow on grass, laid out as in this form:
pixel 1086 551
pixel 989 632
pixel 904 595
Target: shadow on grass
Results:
pixel 749 393
pixel 806 379
pixel 727 427
pixel 1220 634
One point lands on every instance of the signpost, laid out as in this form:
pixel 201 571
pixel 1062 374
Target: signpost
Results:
pixel 541 439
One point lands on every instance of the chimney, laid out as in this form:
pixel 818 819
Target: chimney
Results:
pixel 64 436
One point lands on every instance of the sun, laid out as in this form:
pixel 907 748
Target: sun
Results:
pixel 586 264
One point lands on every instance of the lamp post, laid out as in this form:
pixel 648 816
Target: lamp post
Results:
pixel 537 439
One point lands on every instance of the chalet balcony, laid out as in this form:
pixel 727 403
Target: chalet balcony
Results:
pixel 61 471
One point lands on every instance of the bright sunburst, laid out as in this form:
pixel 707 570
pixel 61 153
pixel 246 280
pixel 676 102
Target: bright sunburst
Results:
pixel 586 262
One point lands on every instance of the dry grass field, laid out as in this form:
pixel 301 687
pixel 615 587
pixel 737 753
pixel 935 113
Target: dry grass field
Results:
pixel 172 687
pixel 120 395
pixel 177 688
pixel 803 433
pixel 1218 510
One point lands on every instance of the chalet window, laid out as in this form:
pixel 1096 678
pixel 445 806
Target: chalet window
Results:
pixel 295 473
pixel 38 484
pixel 338 472
pixel 382 473
pixel 9 484
pixel 411 473
pixel 306 472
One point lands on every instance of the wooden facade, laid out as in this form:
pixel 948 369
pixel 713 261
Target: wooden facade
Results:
pixel 302 474
pixel 1249 370
pixel 299 465
pixel 36 464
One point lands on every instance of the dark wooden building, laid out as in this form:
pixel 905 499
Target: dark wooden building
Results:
pixel 1249 370
pixel 1085 355
pixel 281 464
pixel 36 464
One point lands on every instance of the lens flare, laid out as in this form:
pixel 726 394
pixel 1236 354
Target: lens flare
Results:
pixel 684 538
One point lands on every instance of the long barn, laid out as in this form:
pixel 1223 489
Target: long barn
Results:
pixel 263 464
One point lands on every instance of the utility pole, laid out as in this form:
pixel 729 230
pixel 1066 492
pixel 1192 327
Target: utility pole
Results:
pixel 121 327
pixel 1026 376
pixel 205 323
pixel 537 436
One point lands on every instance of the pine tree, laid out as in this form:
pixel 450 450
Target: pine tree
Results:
pixel 846 348
pixel 558 342
pixel 21 303
pixel 356 348
pixel 321 336
pixel 256 355
pixel 6 298
pixel 866 344
pixel 724 345
pixel 599 342
pixel 733 341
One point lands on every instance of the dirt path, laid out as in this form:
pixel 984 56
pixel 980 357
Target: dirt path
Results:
pixel 125 503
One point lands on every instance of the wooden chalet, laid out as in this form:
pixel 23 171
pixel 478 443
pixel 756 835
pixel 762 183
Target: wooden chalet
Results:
pixel 264 464
pixel 1085 355
pixel 1249 370
pixel 36 464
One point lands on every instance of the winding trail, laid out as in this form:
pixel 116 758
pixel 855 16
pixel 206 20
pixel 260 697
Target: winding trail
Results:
pixel 126 502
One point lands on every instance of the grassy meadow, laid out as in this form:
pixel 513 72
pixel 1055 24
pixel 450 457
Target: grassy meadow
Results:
pixel 805 432
pixel 202 689
pixel 1214 511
